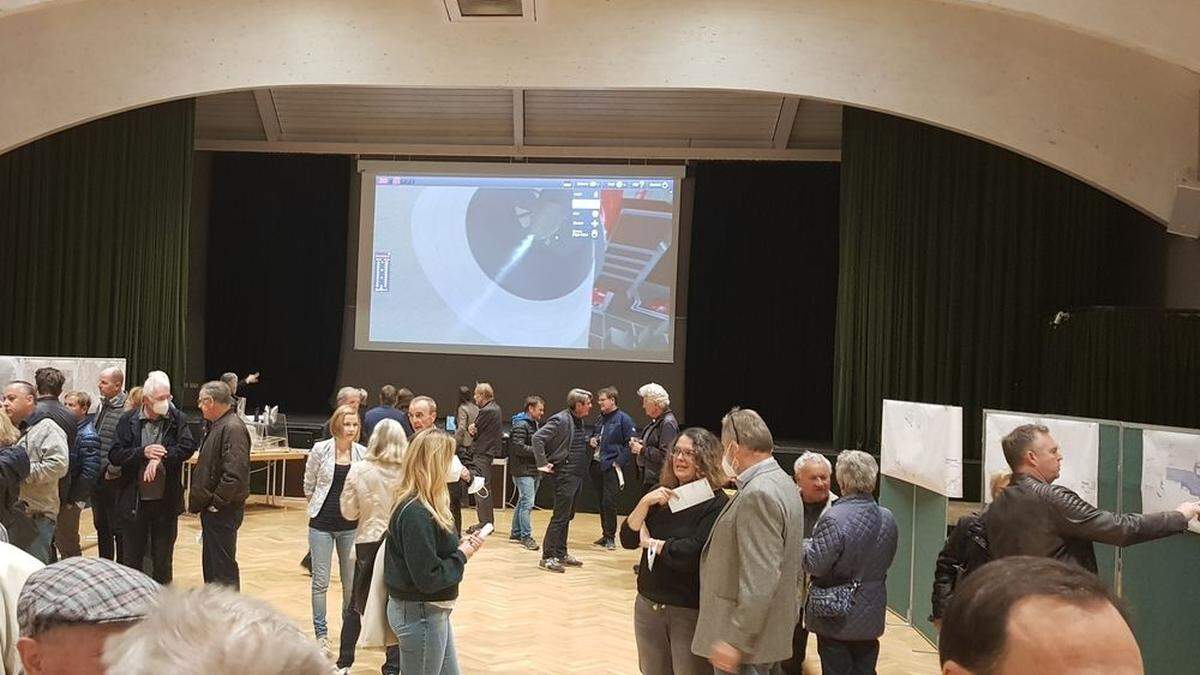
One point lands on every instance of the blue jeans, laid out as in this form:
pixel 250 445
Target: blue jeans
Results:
pixel 40 546
pixel 522 524
pixel 425 636
pixel 320 546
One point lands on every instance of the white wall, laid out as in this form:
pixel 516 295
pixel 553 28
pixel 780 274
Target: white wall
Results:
pixel 1119 118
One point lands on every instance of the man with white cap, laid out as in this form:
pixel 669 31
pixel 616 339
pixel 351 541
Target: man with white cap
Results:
pixel 67 610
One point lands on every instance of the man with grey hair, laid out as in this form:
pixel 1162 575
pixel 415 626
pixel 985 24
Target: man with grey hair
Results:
pixel 67 611
pixel 49 457
pixel 220 484
pixel 812 473
pixel 561 447
pixel 112 405
pixel 151 446
pixel 750 567
pixel 232 381
pixel 212 630
pixel 657 441
pixel 1032 516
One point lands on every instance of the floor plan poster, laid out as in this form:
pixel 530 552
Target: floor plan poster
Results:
pixel 1078 441
pixel 1170 471
pixel 922 444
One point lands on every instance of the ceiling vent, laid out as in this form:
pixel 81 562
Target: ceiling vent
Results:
pixel 490 10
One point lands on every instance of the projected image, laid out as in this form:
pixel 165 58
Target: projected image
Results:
pixel 536 264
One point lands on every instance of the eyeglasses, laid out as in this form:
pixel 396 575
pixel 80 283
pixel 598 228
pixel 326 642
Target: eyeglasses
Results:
pixel 678 452
pixel 733 423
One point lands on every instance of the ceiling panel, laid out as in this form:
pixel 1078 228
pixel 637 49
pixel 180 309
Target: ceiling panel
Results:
pixel 818 125
pixel 229 116
pixel 361 114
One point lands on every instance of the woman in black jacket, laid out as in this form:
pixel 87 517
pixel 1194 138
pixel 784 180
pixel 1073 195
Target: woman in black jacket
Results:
pixel 668 600
pixel 424 559
pixel 966 550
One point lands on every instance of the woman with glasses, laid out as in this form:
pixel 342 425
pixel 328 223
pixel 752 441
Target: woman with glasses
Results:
pixel 668 600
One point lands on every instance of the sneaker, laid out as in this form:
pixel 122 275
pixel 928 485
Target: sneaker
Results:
pixel 474 528
pixel 342 671
pixel 551 565
pixel 571 561
pixel 610 544
pixel 323 643
pixel 600 541
pixel 529 544
pixel 515 539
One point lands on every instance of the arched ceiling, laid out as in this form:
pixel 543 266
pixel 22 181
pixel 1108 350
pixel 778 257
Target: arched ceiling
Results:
pixel 1097 95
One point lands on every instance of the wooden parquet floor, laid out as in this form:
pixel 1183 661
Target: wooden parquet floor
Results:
pixel 511 617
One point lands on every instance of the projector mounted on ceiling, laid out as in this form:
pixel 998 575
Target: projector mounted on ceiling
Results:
pixel 490 10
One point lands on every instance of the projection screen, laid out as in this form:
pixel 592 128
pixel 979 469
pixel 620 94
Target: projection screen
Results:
pixel 541 260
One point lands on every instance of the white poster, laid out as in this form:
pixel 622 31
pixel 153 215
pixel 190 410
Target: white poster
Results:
pixel 82 374
pixel 1170 471
pixel 1079 443
pixel 922 444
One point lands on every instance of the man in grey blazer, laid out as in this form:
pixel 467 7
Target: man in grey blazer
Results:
pixel 751 573
pixel 560 447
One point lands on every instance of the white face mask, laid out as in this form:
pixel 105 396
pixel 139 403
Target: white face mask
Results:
pixel 161 407
pixel 727 465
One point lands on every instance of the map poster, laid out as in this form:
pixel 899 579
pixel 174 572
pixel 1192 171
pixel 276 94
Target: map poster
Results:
pixel 1170 471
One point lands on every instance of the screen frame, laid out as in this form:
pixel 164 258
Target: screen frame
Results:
pixel 370 169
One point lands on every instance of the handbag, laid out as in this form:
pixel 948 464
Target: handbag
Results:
pixel 835 602
pixel 376 632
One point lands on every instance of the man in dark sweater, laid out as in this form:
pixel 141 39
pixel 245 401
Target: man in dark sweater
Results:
pixel 811 472
pixel 562 443
pixel 610 456
pixel 386 410
pixel 488 430
pixel 220 484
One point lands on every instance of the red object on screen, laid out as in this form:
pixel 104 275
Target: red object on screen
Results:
pixel 610 209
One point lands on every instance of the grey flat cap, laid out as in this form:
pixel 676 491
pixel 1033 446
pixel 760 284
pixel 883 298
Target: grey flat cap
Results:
pixel 82 590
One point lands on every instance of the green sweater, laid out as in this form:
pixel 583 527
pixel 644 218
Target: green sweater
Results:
pixel 422 562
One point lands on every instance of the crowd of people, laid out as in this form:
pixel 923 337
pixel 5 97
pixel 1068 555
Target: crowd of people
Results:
pixel 739 561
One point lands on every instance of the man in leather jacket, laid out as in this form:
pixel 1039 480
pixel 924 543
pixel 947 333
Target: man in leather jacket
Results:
pixel 1034 517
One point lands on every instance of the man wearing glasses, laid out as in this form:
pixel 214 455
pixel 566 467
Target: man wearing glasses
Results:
pixel 751 570
pixel 220 484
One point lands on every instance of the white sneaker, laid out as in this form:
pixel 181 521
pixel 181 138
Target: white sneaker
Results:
pixel 323 643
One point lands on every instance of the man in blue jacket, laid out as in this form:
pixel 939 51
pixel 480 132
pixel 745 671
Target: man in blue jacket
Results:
pixel 610 456
pixel 83 468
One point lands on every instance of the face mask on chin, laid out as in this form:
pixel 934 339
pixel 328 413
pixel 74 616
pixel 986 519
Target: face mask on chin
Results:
pixel 161 407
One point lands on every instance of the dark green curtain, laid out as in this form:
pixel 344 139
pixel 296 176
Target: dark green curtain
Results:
pixel 94 225
pixel 954 255
pixel 1134 365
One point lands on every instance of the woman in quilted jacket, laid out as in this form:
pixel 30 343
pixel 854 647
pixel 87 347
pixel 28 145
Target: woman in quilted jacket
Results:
pixel 850 550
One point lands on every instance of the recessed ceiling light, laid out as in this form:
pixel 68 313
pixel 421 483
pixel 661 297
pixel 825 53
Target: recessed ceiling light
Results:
pixel 490 10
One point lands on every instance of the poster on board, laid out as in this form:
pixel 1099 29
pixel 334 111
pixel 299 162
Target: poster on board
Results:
pixel 1170 471
pixel 922 445
pixel 81 374
pixel 1078 441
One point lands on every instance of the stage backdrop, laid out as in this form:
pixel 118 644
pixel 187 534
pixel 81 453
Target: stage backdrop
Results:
pixel 94 225
pixel 955 257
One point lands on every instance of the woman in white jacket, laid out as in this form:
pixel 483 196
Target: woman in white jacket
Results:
pixel 325 474
pixel 369 497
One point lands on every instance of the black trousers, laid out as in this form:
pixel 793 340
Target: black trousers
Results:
pixel 218 547
pixel 481 465
pixel 566 490
pixel 152 532
pixel 792 666
pixel 847 657
pixel 108 539
pixel 351 627
pixel 457 490
pixel 608 488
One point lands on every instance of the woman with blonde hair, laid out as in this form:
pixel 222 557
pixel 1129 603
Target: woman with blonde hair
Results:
pixel 424 560
pixel 668 583
pixel 369 497
pixel 324 480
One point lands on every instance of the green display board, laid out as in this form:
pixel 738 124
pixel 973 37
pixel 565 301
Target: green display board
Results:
pixel 1108 494
pixel 1159 582
pixel 898 497
pixel 920 516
